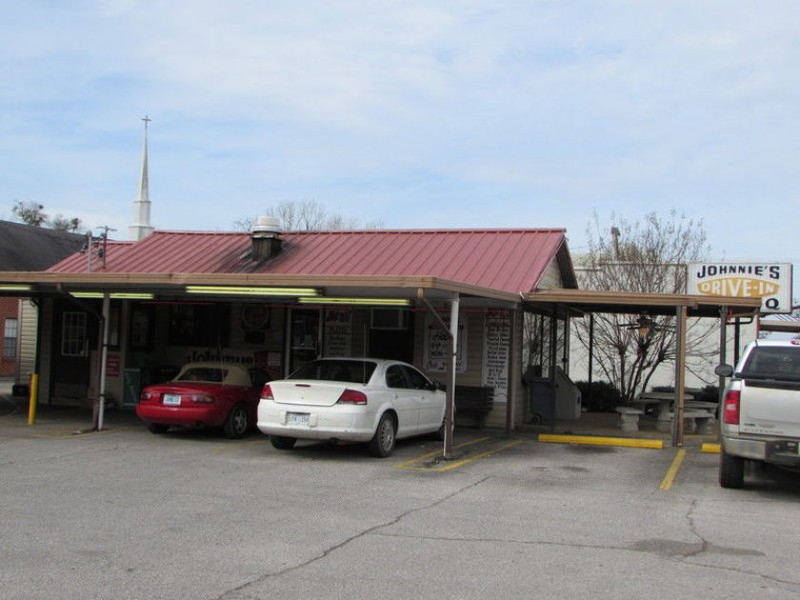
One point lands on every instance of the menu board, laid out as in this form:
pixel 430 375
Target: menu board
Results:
pixel 496 343
pixel 436 345
pixel 338 334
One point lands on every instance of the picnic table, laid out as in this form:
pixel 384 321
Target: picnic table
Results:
pixel 664 400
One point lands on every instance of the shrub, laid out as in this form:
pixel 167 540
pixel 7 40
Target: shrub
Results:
pixel 599 396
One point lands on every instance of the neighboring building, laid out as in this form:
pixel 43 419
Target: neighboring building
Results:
pixel 26 248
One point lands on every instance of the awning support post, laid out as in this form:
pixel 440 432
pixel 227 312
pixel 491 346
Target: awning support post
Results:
pixel 452 345
pixel 680 377
pixel 104 324
pixel 450 369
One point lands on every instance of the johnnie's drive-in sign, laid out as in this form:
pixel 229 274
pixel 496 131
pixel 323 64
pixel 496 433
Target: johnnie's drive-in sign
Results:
pixel 770 282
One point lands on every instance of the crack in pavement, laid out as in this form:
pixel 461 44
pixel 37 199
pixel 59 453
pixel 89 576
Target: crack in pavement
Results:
pixel 239 589
pixel 677 557
pixel 673 551
pixel 693 528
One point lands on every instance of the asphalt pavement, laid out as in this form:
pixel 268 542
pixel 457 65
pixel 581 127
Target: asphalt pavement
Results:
pixel 124 514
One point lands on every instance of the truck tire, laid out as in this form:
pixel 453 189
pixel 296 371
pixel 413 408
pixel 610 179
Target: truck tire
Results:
pixel 731 471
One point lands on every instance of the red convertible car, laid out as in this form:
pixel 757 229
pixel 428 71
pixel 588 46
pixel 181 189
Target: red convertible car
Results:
pixel 204 394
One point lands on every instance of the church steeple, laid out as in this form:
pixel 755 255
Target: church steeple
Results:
pixel 141 226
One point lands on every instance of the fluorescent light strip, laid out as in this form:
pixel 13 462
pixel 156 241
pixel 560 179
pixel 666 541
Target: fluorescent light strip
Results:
pixel 114 295
pixel 15 288
pixel 357 301
pixel 251 291
pixel 131 296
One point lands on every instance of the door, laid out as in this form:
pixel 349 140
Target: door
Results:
pixel 395 341
pixel 75 336
pixel 405 399
pixel 431 402
pixel 304 337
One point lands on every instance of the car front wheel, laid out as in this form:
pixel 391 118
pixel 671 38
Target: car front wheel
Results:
pixel 731 471
pixel 237 422
pixel 382 443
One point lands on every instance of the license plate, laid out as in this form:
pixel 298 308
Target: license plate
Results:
pixel 172 399
pixel 297 418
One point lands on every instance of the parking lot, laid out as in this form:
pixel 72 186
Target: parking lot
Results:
pixel 126 514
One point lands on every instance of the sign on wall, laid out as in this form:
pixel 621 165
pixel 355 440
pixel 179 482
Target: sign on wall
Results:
pixel 772 282
pixel 436 345
pixel 338 332
pixel 496 344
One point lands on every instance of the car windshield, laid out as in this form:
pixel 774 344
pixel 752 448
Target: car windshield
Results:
pixel 773 362
pixel 209 374
pixel 352 371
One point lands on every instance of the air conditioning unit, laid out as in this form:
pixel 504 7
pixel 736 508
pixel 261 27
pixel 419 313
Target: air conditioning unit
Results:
pixel 390 319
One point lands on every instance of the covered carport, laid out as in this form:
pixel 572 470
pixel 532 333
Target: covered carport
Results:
pixel 94 291
pixel 421 293
pixel 563 303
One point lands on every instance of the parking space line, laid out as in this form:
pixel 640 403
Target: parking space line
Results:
pixel 672 472
pixel 471 459
pixel 233 445
pixel 60 435
pixel 414 462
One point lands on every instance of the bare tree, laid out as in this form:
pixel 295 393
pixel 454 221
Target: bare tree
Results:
pixel 29 213
pixel 62 223
pixel 306 215
pixel 32 213
pixel 642 256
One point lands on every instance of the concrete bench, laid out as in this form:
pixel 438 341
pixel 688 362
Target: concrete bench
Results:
pixel 697 421
pixel 629 418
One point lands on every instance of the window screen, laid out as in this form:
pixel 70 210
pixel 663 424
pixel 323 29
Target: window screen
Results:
pixel 73 335
pixel 10 338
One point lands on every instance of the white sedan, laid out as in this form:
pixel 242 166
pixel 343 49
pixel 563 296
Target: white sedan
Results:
pixel 353 399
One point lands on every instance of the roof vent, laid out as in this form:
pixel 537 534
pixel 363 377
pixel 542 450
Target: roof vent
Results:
pixel 266 237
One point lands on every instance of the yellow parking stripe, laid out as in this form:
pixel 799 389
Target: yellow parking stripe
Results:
pixel 414 463
pixel 419 459
pixel 672 472
pixel 471 459
pixel 600 441
pixel 239 444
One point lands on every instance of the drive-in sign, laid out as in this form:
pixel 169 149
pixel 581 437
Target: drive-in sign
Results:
pixel 770 282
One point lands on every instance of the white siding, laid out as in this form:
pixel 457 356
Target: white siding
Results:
pixel 552 278
pixel 28 319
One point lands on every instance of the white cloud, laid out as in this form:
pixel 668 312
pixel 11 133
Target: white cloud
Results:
pixel 423 112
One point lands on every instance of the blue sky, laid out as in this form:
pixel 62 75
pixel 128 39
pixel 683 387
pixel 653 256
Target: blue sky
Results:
pixel 418 114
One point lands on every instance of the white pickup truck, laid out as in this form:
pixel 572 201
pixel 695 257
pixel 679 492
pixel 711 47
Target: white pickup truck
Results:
pixel 760 411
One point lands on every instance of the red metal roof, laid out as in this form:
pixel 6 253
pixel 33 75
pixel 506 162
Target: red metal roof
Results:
pixel 510 260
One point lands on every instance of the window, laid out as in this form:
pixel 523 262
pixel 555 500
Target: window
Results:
pixel 395 378
pixel 354 371
pixel 10 339
pixel 773 362
pixel 199 325
pixel 73 335
pixel 417 380
pixel 209 374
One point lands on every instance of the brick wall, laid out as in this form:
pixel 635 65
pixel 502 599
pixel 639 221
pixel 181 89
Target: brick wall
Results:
pixel 9 309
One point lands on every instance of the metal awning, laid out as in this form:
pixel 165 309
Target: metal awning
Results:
pixel 589 301
pixel 175 284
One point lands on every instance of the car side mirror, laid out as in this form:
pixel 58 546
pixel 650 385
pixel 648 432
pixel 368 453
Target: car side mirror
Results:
pixel 723 370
